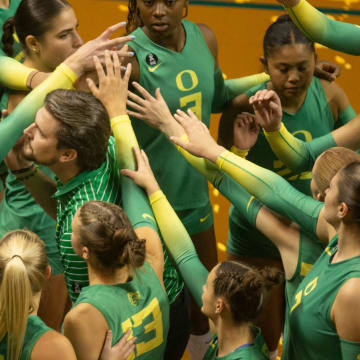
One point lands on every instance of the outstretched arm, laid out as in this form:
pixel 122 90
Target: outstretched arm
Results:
pixel 268 187
pixel 319 28
pixel 174 234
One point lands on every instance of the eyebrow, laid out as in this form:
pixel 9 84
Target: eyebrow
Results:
pixel 68 29
pixel 299 63
pixel 40 131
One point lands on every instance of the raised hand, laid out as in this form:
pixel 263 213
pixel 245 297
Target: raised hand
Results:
pixel 113 86
pixel 197 139
pixel 245 130
pixel 268 110
pixel 153 110
pixel 327 70
pixel 143 177
pixel 119 351
pixel 82 60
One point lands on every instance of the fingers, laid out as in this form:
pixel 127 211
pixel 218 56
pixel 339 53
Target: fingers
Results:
pixel 111 29
pixel 136 106
pixel 93 88
pixel 142 91
pixel 99 69
pixel 109 63
pixel 128 173
pixel 108 339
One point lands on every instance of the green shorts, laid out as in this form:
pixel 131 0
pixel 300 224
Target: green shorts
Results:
pixel 197 220
pixel 246 241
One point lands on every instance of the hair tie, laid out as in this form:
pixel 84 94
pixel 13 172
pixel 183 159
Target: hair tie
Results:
pixel 260 302
pixel 18 257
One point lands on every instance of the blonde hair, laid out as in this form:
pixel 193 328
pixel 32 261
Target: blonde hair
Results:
pixel 23 265
pixel 329 163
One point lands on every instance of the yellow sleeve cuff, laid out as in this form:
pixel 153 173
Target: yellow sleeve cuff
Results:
pixel 298 6
pixel 277 133
pixel 119 119
pixel 68 72
pixel 220 160
pixel 239 152
pixel 156 196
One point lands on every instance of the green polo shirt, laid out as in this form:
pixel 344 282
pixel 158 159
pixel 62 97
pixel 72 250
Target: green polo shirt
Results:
pixel 101 184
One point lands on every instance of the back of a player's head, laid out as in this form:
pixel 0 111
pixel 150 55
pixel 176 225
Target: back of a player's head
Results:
pixel 244 288
pixel 83 125
pixel 106 231
pixel 283 32
pixel 329 163
pixel 23 270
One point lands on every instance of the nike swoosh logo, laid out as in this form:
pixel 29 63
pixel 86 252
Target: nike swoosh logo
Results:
pixel 147 216
pixel 152 69
pixel 204 218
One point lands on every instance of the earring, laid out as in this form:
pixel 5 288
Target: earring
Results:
pixel 186 12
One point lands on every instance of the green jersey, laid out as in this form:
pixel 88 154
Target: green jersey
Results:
pixel 4 15
pixel 312 120
pixel 186 82
pixel 140 305
pixel 35 328
pixel 254 351
pixel 312 334
pixel 19 210
pixel 310 248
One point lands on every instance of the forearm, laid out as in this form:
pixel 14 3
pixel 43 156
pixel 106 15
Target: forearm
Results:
pixel 298 155
pixel 240 85
pixel 272 190
pixel 179 245
pixel 42 188
pixel 319 28
pixel 12 127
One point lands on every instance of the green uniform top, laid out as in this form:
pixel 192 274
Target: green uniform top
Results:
pixel 140 305
pixel 254 351
pixel 4 15
pixel 312 333
pixel 187 81
pixel 310 248
pixel 19 210
pixel 35 328
pixel 312 120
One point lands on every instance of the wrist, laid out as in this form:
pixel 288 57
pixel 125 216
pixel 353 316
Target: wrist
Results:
pixel 214 153
pixel 152 188
pixel 170 127
pixel 114 111
pixel 274 129
pixel 292 3
pixel 74 65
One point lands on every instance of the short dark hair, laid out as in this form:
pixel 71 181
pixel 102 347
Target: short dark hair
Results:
pixel 244 288
pixel 83 125
pixel 32 17
pixel 283 32
pixel 107 231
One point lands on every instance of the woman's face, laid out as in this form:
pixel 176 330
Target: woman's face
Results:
pixel 208 297
pixel 332 201
pixel 61 41
pixel 291 68
pixel 161 17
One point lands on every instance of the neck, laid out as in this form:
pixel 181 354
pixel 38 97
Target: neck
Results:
pixel 117 276
pixel 4 4
pixel 348 242
pixel 231 336
pixel 173 41
pixel 35 62
pixel 65 172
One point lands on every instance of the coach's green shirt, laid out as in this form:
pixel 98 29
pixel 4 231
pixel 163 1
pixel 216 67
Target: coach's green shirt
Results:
pixel 102 184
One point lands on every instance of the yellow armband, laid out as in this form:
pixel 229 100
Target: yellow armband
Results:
pixel 13 74
pixel 239 152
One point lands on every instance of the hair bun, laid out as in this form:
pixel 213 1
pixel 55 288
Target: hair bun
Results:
pixel 283 18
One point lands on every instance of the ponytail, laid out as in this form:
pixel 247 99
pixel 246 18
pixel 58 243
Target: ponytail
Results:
pixel 8 36
pixel 15 305
pixel 23 265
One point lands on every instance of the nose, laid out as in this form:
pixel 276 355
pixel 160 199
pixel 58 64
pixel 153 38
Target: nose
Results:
pixel 159 9
pixel 77 40
pixel 29 131
pixel 294 76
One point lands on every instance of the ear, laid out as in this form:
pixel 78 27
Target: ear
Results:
pixel 320 197
pixel 219 306
pixel 68 155
pixel 343 210
pixel 264 62
pixel 85 253
pixel 32 44
pixel 48 272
